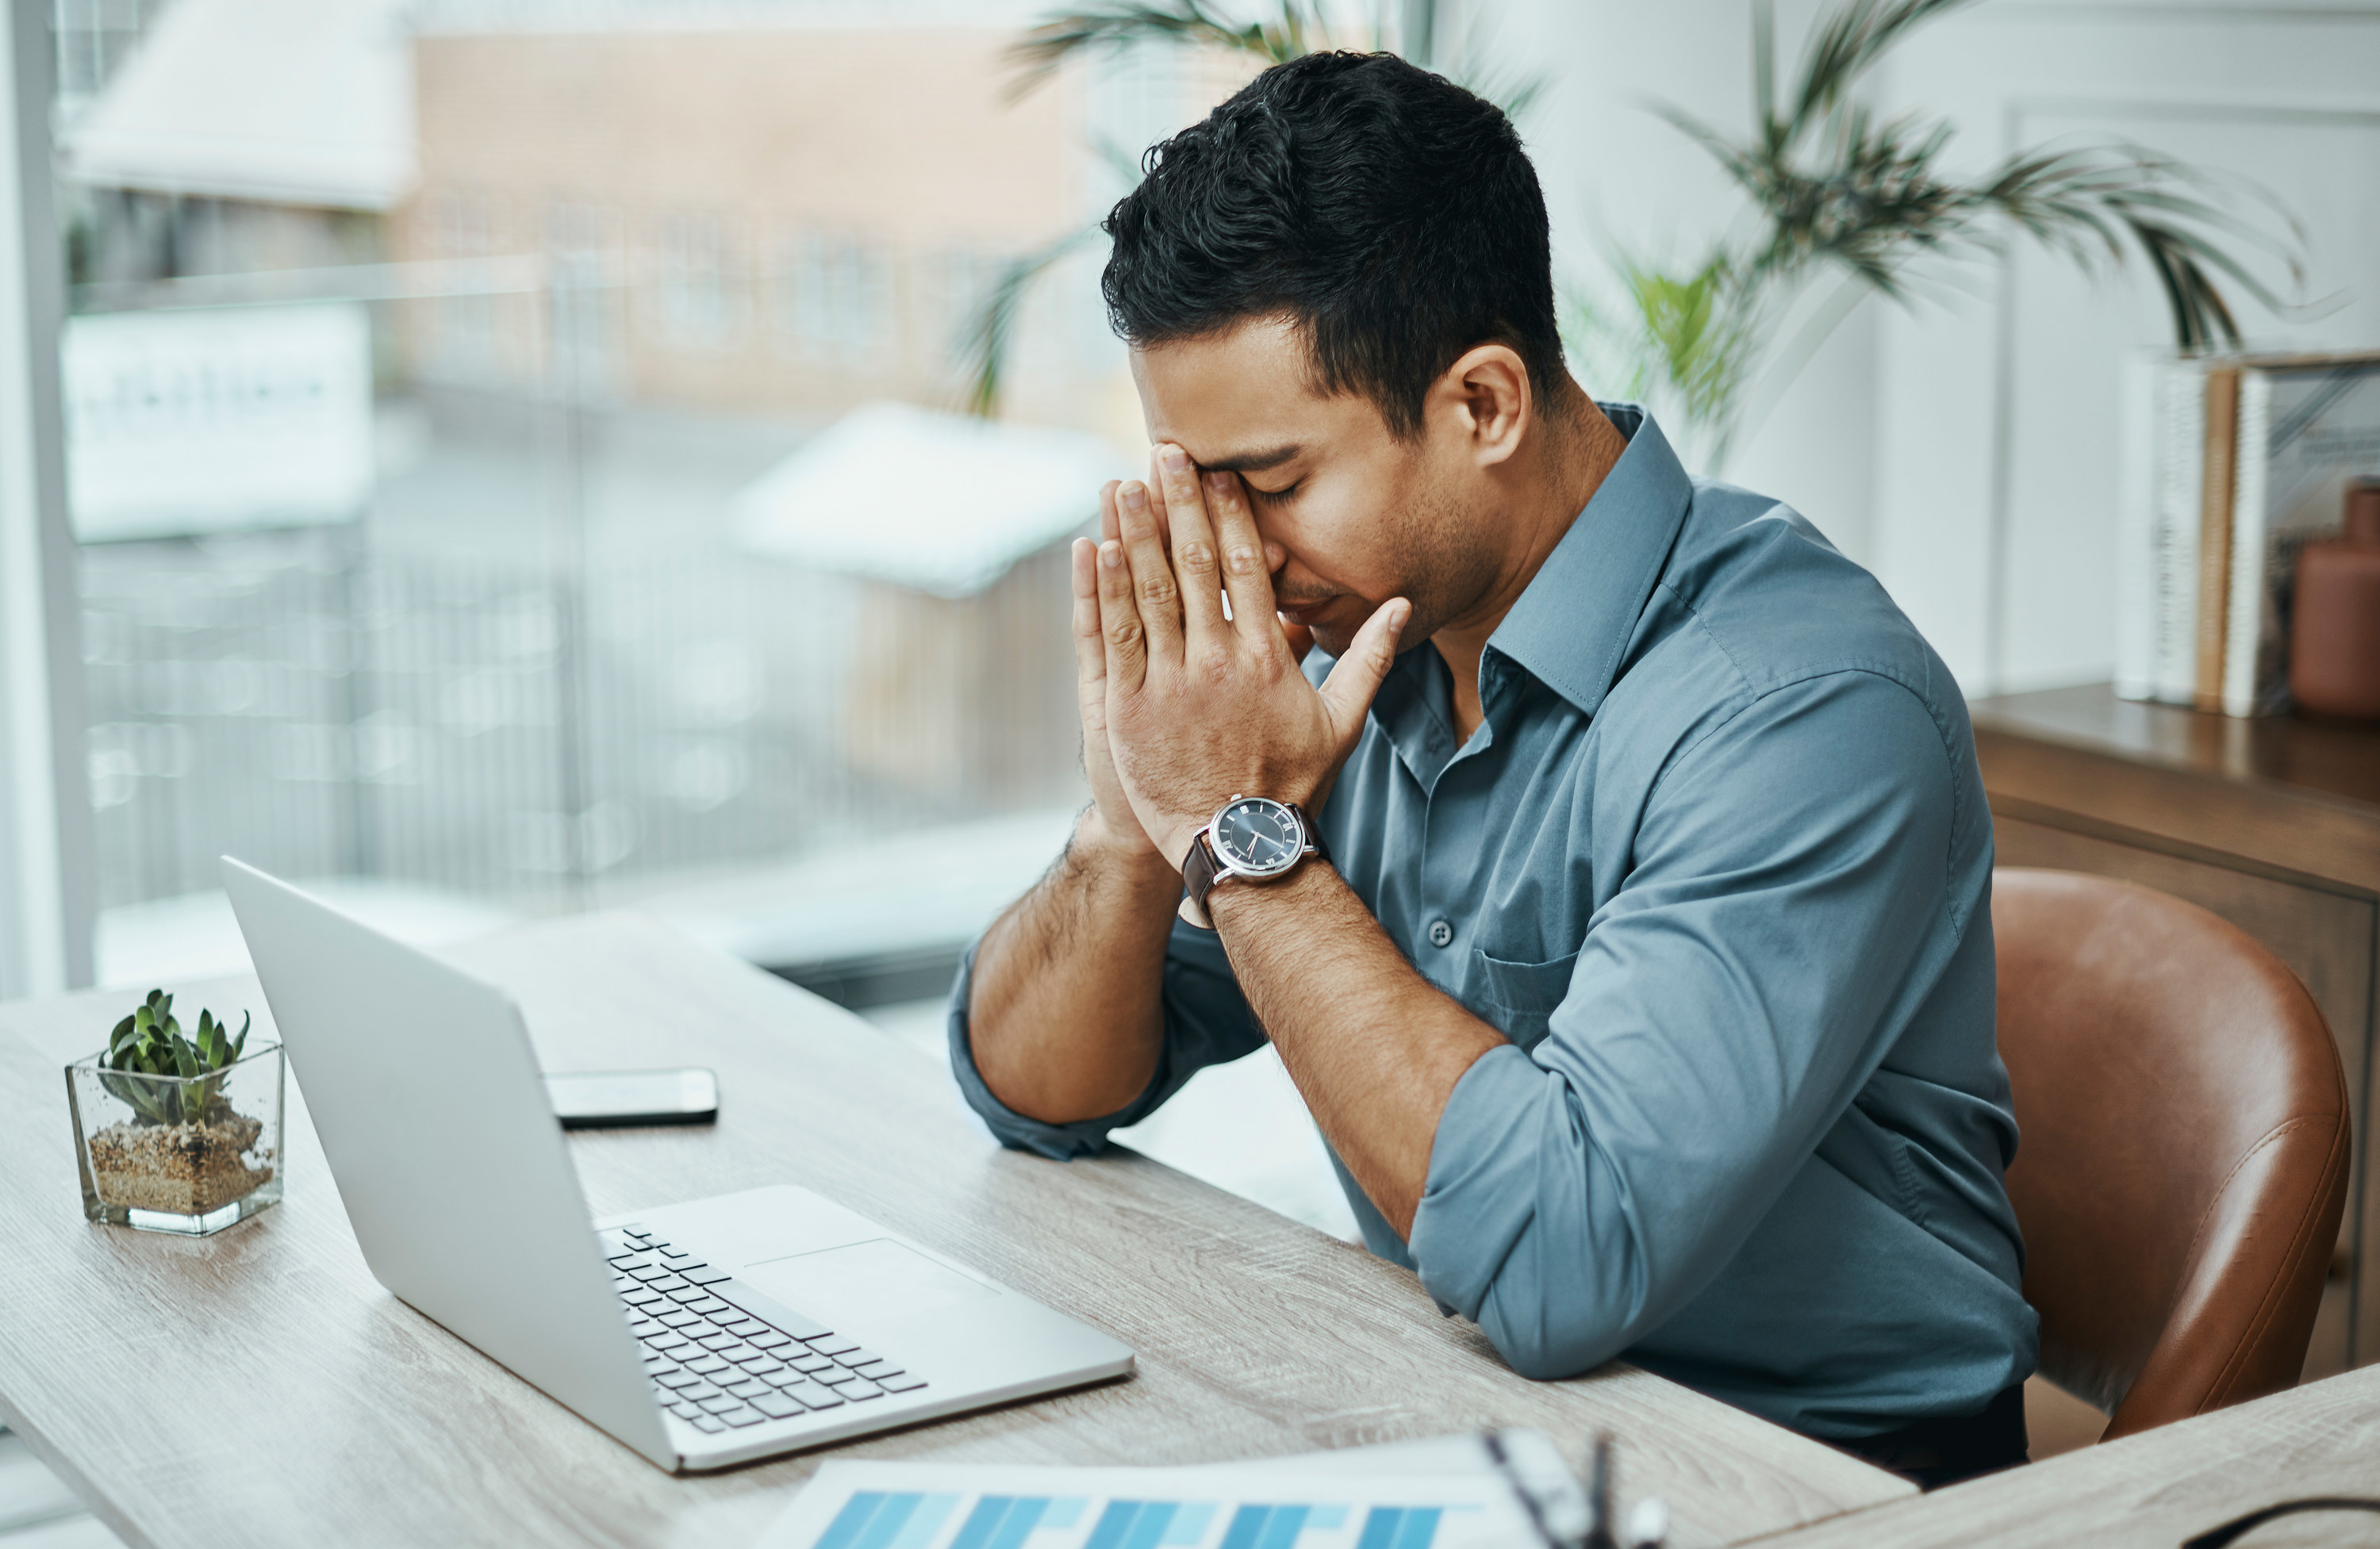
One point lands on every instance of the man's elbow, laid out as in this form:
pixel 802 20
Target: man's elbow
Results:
pixel 1543 1341
pixel 1544 1359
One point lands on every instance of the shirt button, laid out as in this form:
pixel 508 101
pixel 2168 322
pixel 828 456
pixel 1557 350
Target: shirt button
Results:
pixel 1441 933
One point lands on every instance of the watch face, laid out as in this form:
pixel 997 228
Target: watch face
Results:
pixel 1256 836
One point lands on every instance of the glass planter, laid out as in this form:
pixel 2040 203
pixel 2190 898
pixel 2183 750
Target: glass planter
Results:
pixel 190 1155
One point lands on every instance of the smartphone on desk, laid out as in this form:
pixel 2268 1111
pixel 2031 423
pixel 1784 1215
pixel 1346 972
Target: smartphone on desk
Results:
pixel 617 1099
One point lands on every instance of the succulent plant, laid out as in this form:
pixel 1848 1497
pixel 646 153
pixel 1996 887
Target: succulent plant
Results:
pixel 150 1043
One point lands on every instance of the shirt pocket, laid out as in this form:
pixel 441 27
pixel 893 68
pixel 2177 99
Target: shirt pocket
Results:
pixel 1519 997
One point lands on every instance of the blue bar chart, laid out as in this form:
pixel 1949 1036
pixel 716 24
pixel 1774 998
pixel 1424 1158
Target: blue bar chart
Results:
pixel 923 1519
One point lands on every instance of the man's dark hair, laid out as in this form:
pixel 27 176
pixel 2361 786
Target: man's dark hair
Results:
pixel 1390 213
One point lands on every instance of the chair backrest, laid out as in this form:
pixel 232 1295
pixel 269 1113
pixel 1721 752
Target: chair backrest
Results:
pixel 2182 1152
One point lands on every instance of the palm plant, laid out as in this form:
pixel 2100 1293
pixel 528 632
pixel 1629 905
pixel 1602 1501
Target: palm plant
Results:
pixel 1295 30
pixel 1290 30
pixel 1836 189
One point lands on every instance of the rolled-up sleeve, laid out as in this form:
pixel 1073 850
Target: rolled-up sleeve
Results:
pixel 1729 998
pixel 1206 1022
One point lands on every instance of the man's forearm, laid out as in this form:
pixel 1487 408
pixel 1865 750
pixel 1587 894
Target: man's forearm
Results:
pixel 1374 1048
pixel 1065 1014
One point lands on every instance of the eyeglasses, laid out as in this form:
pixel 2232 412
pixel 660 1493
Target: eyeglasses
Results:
pixel 2240 1527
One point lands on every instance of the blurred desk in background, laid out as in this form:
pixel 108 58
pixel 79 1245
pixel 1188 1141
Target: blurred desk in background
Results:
pixel 259 1388
pixel 2274 824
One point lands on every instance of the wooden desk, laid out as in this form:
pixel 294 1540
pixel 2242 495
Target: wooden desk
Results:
pixel 2272 824
pixel 2156 1489
pixel 297 1402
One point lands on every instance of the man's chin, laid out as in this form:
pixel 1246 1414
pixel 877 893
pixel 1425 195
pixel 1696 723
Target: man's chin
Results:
pixel 1331 640
pixel 1335 639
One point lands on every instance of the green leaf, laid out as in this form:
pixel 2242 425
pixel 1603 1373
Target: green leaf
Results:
pixel 1105 30
pixel 1835 185
pixel 151 1042
pixel 991 330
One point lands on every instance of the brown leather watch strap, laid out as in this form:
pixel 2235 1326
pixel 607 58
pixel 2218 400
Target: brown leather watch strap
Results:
pixel 1202 869
pixel 1199 869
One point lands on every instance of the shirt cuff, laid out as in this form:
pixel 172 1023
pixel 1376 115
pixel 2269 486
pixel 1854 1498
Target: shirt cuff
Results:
pixel 1481 1191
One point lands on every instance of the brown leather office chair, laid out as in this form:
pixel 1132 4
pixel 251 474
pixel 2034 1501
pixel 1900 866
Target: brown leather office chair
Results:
pixel 2183 1146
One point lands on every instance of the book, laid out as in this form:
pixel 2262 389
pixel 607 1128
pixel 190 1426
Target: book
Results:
pixel 2160 518
pixel 2137 567
pixel 2306 424
pixel 2217 486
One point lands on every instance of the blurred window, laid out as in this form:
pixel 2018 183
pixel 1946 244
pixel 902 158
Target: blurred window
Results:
pixel 558 625
pixel 702 295
pixel 838 297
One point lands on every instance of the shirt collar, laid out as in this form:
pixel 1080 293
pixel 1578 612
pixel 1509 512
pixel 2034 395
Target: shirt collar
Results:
pixel 1578 613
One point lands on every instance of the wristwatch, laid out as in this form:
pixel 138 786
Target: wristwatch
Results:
pixel 1253 836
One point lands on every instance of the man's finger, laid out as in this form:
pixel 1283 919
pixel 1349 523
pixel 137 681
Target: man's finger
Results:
pixel 1157 501
pixel 1192 548
pixel 1108 527
pixel 1090 647
pixel 1300 638
pixel 1125 643
pixel 1090 653
pixel 1155 593
pixel 1247 575
pixel 1356 677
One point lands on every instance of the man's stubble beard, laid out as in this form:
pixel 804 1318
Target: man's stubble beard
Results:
pixel 1443 566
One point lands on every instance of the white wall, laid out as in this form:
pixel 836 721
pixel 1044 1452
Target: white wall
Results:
pixel 1963 450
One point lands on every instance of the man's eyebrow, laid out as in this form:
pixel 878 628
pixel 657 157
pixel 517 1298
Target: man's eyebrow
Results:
pixel 1254 462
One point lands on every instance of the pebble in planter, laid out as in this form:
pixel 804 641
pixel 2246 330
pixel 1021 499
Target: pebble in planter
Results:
pixel 164 1143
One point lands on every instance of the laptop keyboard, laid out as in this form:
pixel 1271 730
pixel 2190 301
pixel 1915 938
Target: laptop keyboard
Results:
pixel 721 1355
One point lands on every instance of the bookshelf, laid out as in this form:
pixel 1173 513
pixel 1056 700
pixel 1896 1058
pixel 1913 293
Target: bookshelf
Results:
pixel 2272 824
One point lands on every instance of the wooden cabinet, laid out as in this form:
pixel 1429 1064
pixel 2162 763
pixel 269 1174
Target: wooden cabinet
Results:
pixel 2273 825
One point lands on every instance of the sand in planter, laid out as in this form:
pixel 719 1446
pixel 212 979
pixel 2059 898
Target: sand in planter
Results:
pixel 187 1169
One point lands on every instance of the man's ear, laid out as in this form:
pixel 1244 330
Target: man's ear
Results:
pixel 1488 393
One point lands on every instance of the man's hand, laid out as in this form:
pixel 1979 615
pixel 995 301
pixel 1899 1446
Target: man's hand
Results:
pixel 1198 707
pixel 1116 825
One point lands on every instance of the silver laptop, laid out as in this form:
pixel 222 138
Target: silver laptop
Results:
pixel 701 1334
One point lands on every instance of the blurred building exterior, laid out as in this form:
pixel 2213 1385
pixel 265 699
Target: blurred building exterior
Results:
pixel 216 137
pixel 785 220
pixel 539 663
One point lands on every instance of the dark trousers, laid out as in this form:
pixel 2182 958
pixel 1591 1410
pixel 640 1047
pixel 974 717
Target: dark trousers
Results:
pixel 1938 1452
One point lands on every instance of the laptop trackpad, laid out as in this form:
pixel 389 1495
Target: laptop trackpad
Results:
pixel 862 1283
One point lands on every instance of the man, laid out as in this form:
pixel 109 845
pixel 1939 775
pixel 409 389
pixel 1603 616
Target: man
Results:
pixel 1646 995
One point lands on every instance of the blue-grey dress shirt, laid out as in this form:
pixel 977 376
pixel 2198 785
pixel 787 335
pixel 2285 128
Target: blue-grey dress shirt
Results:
pixel 1717 864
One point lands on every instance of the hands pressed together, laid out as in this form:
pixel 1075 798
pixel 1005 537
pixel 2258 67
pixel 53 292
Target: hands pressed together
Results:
pixel 1183 707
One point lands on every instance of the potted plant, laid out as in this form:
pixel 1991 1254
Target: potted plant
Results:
pixel 172 1131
